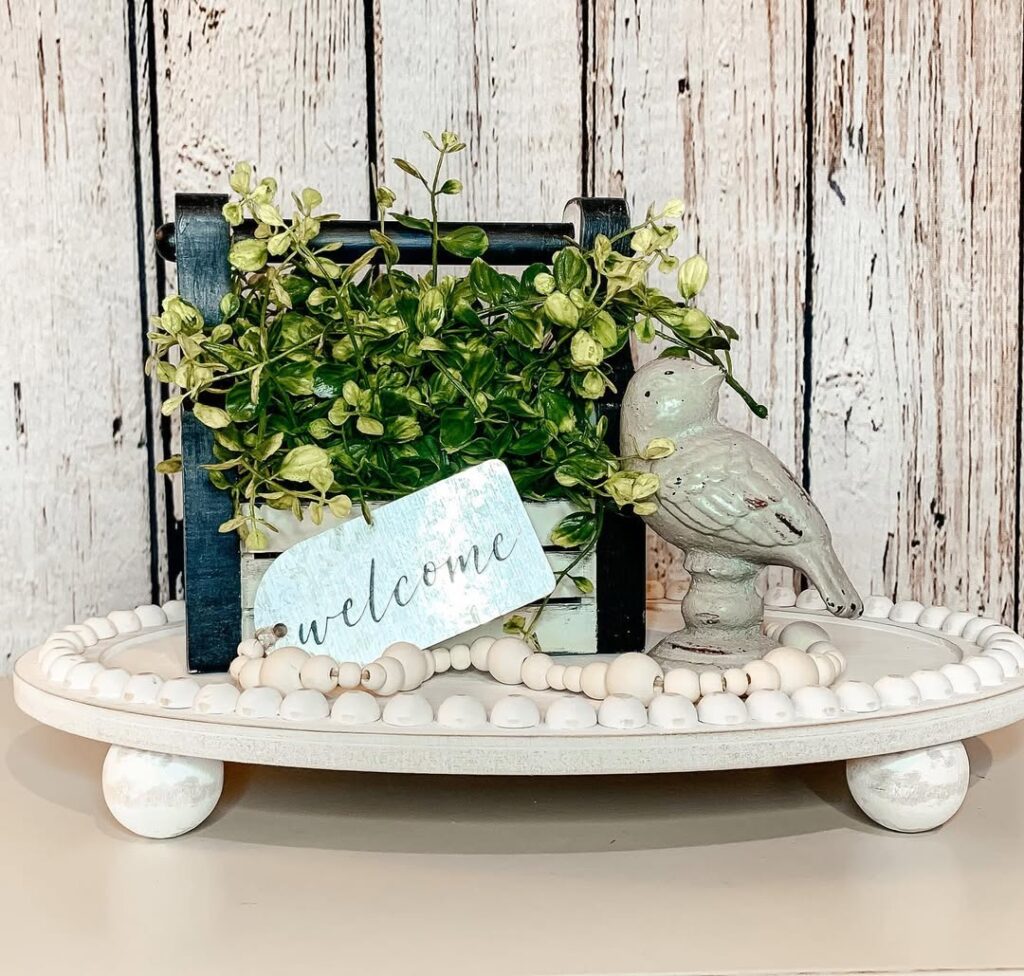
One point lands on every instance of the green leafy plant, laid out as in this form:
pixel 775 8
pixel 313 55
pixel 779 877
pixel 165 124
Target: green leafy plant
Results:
pixel 326 382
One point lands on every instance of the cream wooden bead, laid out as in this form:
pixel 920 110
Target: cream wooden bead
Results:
pixel 178 693
pixel 906 612
pixel 101 627
pixel 62 666
pixel 535 672
pixel 635 674
pixel 573 678
pixel 877 607
pixel 51 655
pixel 66 637
pixel 1005 660
pixel 772 630
pixel 373 676
pixel 505 659
pixel 770 707
pixel 826 668
pixel 989 671
pixel 250 673
pixel 801 634
pixel 109 684
pixel 954 624
pixel 80 676
pixel 219 698
pixel 251 648
pixel 150 615
pixel 84 633
pixel 593 680
pixel 978 626
pixel 721 708
pixel 897 691
pixel 932 618
pixel 813 703
pixel 394 676
pixel 442 659
pixel 461 712
pixel 408 710
pixel 857 697
pixel 685 682
pixel 622 712
pixel 1011 647
pixel 428 661
pixel 142 689
pixel 556 677
pixel 349 675
pixel 319 673
pixel 236 665
pixel 711 683
pixel 460 657
pixel 355 708
pixel 282 669
pixel 992 633
pixel 175 610
pixel 414 668
pixel 810 599
pixel 762 676
pixel 259 702
pixel 838 659
pixel 736 681
pixel 304 705
pixel 515 712
pixel 795 667
pixel 780 596
pixel 125 621
pixel 570 714
pixel 965 680
pixel 933 685
pixel 671 712
pixel 478 651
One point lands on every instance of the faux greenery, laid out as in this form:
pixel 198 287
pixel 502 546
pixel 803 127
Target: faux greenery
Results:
pixel 326 382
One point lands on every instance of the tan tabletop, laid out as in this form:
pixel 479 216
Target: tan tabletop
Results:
pixel 770 871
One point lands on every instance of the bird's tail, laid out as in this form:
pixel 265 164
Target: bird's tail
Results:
pixel 836 588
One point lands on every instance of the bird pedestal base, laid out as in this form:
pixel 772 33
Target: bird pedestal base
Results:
pixel 723 615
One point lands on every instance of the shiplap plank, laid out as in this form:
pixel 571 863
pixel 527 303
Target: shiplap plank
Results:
pixel 506 77
pixel 915 289
pixel 73 433
pixel 706 102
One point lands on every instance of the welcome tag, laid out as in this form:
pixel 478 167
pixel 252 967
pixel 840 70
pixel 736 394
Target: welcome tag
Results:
pixel 434 564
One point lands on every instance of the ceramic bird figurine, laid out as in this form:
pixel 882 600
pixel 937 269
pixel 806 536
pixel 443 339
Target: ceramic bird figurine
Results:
pixel 731 505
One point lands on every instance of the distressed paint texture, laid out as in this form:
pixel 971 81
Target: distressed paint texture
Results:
pixel 76 539
pixel 915 292
pixel 706 102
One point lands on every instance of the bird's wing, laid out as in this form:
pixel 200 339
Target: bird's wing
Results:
pixel 729 486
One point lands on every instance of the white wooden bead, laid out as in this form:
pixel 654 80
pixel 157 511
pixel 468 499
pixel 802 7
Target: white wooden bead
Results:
pixel 101 627
pixel 1001 639
pixel 1005 660
pixel 990 634
pixel 801 634
pixel 965 680
pixel 218 698
pixel 573 678
pixel 505 659
pixel 810 599
pixel 634 674
pixel 150 615
pixel 735 681
pixel 407 710
pixel 49 655
pixel 355 708
pixel 125 621
pixel 771 707
pixel 260 702
pixel 251 648
pixel 954 624
pixel 826 669
pixel 671 712
pixel 622 712
pixel 795 667
pixel 988 670
pixel 79 678
pixel 684 682
pixel 857 697
pixel 897 691
pixel 109 684
pixel 320 673
pixel 535 671
pixel 142 689
pixel 594 681
pixel 414 668
pixel 394 676
pixel 906 612
pixel 304 705
pixel 175 610
pixel 772 630
pixel 250 673
pixel 838 659
pixel 67 637
pixel 933 685
pixel 84 633
pixel 780 596
pixel 1011 647
pixel 461 712
pixel 515 712
pixel 556 677
pixel 877 607
pixel 349 675
pixel 711 683
pixel 813 703
pixel 282 669
pixel 61 666
pixel 428 662
pixel 178 693
pixel 478 652
pixel 236 665
pixel 569 714
pixel 721 709
pixel 978 626
pixel 762 676
pixel 932 618
pixel 442 659
pixel 460 656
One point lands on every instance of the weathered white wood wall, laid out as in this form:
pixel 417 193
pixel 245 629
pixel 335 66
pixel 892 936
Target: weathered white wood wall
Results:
pixel 852 171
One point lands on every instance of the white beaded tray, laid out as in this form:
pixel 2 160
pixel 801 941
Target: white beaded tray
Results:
pixel 873 647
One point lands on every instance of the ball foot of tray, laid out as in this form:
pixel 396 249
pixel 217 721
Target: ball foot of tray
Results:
pixel 911 791
pixel 158 795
